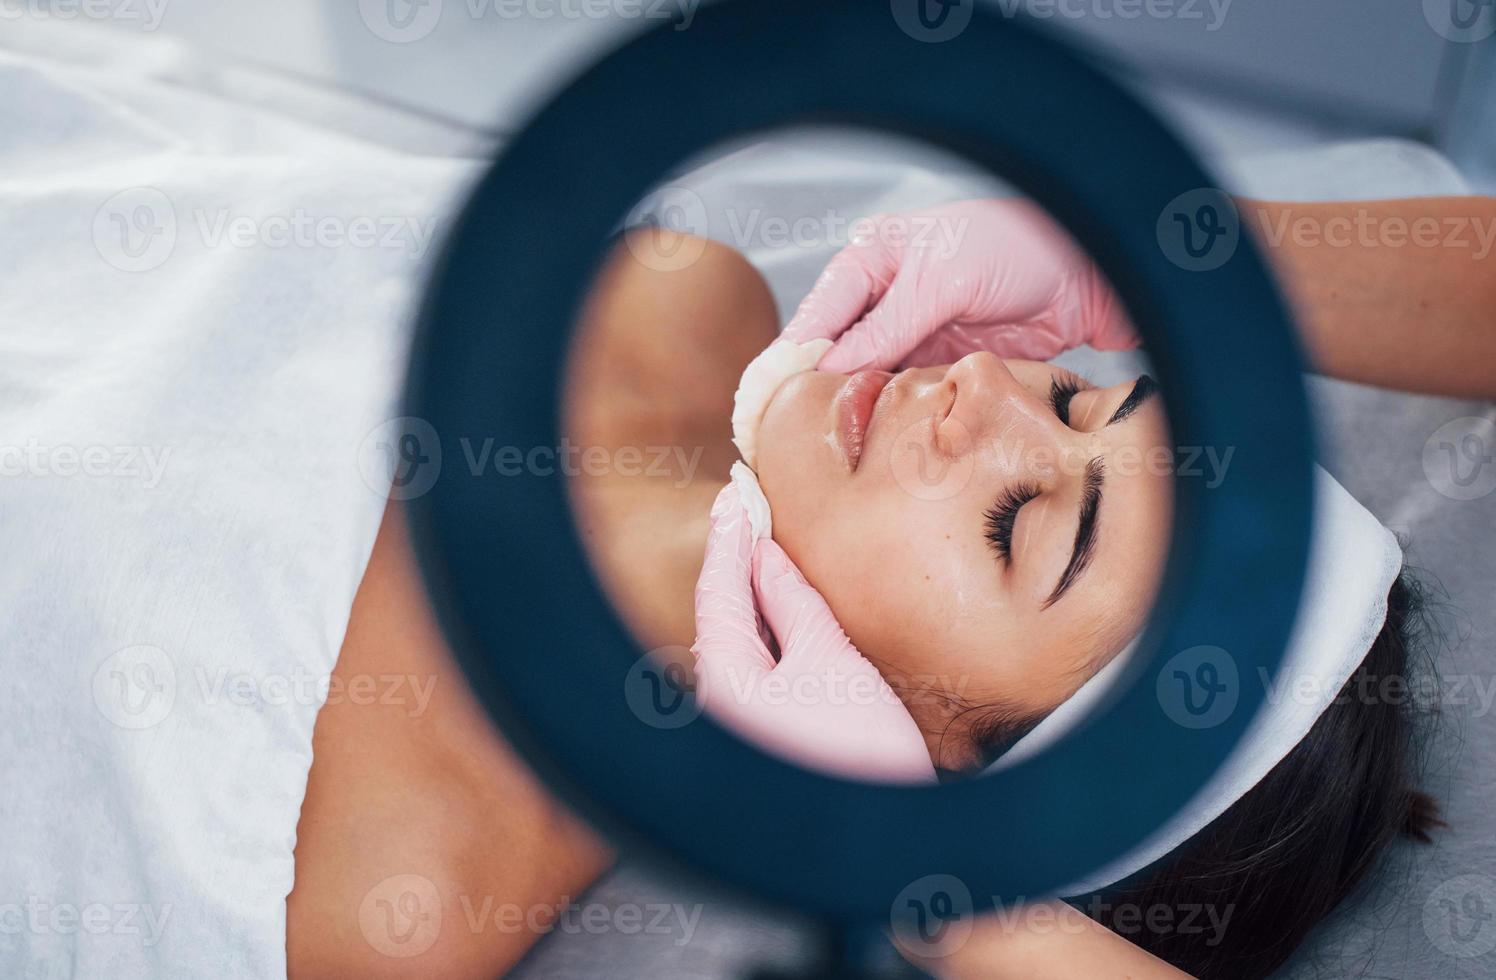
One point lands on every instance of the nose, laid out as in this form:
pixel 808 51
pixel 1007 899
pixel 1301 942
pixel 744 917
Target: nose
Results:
pixel 992 411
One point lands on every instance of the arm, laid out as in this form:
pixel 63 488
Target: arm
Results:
pixel 1394 293
pixel 1400 294
pixel 417 810
pixel 1045 941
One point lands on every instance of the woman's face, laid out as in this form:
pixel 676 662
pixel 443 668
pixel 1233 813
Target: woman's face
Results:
pixel 988 533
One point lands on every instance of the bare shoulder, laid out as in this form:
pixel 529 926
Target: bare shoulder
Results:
pixel 674 309
pixel 419 821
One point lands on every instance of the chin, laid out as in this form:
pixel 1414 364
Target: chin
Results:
pixel 789 447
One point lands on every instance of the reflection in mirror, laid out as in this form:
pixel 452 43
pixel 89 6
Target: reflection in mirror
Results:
pixel 987 529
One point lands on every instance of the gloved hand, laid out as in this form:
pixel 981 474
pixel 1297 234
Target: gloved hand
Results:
pixel 822 705
pixel 928 287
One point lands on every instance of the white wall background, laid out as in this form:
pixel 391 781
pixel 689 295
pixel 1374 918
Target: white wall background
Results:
pixel 1236 74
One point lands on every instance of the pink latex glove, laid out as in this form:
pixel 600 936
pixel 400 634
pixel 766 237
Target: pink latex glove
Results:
pixel 928 287
pixel 822 705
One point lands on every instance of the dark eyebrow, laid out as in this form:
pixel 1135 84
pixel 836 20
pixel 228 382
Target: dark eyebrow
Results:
pixel 1142 390
pixel 1085 531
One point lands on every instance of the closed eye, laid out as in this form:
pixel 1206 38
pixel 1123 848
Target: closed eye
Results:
pixel 1064 386
pixel 1003 514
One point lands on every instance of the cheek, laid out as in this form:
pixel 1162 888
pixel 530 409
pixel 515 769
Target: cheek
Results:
pixel 842 550
pixel 905 586
pixel 797 468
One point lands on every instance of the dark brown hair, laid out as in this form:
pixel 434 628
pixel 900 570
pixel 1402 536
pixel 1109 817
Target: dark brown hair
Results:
pixel 1303 839
pixel 1239 897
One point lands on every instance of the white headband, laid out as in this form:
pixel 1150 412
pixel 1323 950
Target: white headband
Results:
pixel 1353 561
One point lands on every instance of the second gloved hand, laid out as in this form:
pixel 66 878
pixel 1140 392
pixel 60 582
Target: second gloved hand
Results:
pixel 822 705
pixel 929 287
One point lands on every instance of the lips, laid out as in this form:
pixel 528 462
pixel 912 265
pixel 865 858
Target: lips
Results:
pixel 854 411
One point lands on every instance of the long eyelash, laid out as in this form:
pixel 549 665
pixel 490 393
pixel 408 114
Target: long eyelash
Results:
pixel 1001 516
pixel 1062 388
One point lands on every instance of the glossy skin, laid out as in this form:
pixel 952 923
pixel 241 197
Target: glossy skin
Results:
pixel 898 546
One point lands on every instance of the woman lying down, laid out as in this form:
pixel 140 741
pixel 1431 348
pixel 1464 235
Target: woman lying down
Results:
pixel 985 588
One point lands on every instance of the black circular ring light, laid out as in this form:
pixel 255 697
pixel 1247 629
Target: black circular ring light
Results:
pixel 545 651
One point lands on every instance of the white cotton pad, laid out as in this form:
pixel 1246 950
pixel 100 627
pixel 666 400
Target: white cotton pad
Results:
pixel 761 378
pixel 753 500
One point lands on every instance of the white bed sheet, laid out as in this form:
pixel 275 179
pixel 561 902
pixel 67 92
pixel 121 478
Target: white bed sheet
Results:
pixel 191 389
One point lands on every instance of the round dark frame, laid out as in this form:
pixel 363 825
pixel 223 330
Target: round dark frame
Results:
pixel 512 584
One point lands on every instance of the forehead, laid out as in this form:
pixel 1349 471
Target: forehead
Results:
pixel 1036 371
